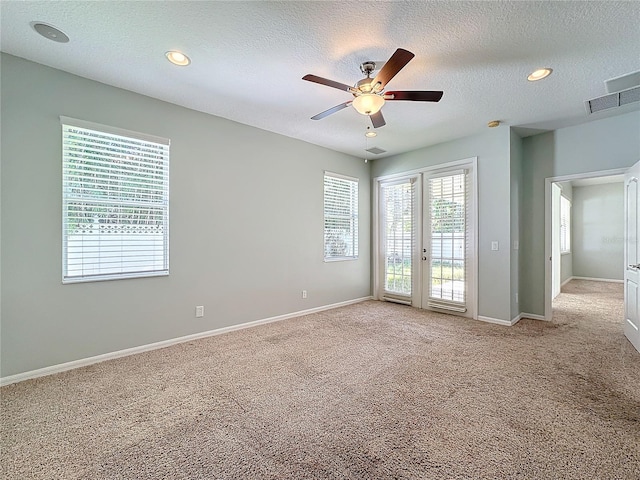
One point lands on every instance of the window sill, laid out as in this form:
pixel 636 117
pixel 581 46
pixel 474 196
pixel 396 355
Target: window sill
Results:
pixel 339 259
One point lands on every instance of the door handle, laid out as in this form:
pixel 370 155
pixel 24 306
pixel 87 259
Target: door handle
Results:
pixel 635 267
pixel 424 258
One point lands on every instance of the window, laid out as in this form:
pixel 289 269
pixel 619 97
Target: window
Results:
pixel 340 217
pixel 565 225
pixel 115 200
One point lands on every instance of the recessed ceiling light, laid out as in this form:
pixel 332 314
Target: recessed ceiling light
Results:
pixel 539 74
pixel 177 58
pixel 50 32
pixel 370 134
pixel 493 123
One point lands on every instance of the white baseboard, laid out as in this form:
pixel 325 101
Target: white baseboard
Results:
pixel 497 321
pixel 83 362
pixel 566 281
pixel 611 280
pixel 513 321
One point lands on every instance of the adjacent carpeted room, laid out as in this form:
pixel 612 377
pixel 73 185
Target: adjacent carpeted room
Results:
pixel 368 391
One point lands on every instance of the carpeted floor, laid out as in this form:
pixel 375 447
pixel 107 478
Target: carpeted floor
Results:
pixel 369 391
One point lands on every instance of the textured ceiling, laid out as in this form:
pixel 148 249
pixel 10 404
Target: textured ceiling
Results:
pixel 248 59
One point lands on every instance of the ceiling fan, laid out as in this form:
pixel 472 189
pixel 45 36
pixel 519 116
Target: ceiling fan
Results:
pixel 369 95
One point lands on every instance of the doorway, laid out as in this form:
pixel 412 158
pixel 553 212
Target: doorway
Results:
pixel 592 252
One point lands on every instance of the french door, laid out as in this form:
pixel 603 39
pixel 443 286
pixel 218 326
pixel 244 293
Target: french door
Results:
pixel 398 215
pixel 446 241
pixel 425 244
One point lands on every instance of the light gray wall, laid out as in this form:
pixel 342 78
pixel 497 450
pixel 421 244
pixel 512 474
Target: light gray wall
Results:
pixel 566 267
pixel 493 151
pixel 246 233
pixel 598 231
pixel 599 145
pixel 516 206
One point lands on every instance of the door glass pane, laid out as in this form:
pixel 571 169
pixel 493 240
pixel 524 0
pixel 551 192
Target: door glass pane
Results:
pixel 398 235
pixel 447 200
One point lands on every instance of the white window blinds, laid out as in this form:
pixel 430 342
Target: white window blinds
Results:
pixel 448 202
pixel 115 186
pixel 398 235
pixel 340 217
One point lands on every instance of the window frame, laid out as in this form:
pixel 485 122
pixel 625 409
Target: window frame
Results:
pixel 353 216
pixel 148 152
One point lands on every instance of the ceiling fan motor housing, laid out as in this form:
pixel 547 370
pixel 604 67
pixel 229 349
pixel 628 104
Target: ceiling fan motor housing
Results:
pixel 365 85
pixel 367 68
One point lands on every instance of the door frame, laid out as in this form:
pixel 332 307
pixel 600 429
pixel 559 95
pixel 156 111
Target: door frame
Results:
pixel 377 258
pixel 548 293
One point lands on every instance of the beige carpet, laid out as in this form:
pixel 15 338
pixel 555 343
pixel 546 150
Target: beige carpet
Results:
pixel 369 391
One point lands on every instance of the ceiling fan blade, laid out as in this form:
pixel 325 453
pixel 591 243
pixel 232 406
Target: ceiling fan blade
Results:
pixel 397 61
pixel 377 119
pixel 416 96
pixel 327 82
pixel 335 109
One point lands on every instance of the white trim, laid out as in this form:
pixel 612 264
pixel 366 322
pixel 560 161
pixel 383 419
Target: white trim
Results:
pixel 548 312
pixel 498 321
pixel 375 240
pixel 533 316
pixel 514 320
pixel 593 279
pixel 418 171
pixel 566 281
pixel 341 176
pixel 122 132
pixel 406 301
pixel 62 367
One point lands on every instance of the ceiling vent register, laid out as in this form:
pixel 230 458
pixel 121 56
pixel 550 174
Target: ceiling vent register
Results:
pixel 375 150
pixel 613 100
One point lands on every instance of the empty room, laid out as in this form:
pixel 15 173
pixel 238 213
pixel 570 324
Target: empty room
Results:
pixel 319 240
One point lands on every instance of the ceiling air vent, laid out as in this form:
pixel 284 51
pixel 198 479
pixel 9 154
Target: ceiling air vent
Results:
pixel 375 150
pixel 623 82
pixel 613 100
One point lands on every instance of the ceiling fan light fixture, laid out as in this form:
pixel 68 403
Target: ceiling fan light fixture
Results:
pixel 368 103
pixel 539 74
pixel 177 58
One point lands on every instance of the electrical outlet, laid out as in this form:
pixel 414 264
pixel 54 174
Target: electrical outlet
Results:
pixel 494 245
pixel 304 294
pixel 199 311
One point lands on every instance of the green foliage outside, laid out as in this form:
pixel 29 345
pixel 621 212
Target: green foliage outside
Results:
pixel 447 216
pixel 101 170
pixel 399 274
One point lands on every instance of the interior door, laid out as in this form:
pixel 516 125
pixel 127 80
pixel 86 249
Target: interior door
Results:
pixel 631 256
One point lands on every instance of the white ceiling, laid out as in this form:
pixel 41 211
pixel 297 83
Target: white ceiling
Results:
pixel 248 59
